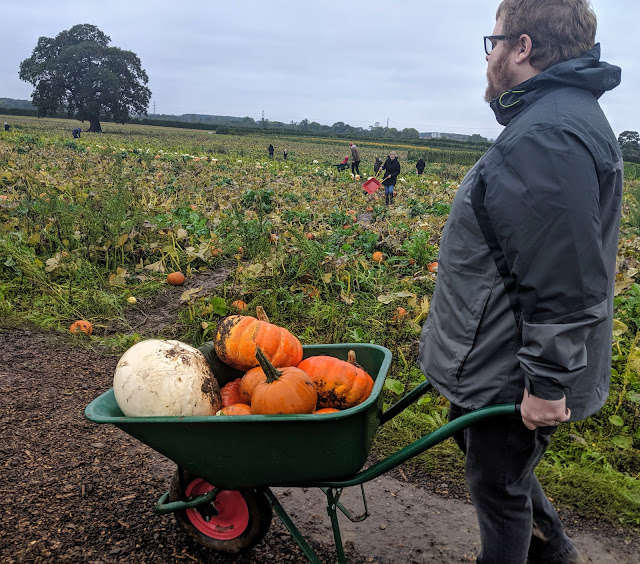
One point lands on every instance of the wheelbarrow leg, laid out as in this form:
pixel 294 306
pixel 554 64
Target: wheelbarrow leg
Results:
pixel 290 526
pixel 332 506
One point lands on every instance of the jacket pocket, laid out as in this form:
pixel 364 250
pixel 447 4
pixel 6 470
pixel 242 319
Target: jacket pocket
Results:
pixel 472 333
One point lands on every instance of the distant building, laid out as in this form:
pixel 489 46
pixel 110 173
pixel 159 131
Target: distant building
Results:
pixel 438 135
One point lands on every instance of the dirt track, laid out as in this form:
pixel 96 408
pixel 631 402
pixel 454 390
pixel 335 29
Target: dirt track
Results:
pixel 73 491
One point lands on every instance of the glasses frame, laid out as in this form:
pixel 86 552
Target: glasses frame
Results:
pixel 489 39
pixel 492 38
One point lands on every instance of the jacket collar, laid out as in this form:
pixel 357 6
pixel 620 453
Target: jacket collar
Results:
pixel 586 72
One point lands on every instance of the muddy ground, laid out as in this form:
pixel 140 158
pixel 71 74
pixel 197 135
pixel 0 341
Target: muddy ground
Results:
pixel 75 491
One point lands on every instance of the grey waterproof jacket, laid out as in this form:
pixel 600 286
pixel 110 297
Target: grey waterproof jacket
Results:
pixel 524 295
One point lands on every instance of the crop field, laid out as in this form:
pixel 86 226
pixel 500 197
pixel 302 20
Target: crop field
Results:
pixel 91 227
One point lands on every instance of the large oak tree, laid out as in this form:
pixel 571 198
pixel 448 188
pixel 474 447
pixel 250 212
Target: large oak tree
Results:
pixel 78 73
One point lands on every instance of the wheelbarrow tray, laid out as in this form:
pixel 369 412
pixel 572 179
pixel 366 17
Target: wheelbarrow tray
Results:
pixel 250 451
pixel 371 185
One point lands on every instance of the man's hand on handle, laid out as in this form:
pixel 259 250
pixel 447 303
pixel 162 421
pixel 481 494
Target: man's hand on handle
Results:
pixel 538 412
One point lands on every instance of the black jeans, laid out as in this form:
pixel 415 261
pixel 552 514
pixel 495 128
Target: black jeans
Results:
pixel 501 455
pixel 355 167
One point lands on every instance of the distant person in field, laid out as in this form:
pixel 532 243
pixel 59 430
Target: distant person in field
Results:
pixel 6 126
pixel 355 159
pixel 284 154
pixel 391 169
pixel 523 305
pixel 420 165
pixel 76 132
pixel 271 150
pixel 344 164
pixel 377 164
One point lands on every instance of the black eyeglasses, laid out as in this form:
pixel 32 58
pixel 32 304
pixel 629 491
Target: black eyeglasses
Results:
pixel 490 42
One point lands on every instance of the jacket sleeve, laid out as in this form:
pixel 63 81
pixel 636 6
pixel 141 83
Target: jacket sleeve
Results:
pixel 543 204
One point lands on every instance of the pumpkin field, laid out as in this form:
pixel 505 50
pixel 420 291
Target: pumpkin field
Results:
pixel 91 229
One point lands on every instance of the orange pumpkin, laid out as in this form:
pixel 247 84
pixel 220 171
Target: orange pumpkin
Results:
pixel 289 390
pixel 236 409
pixel 339 384
pixel 176 279
pixel 399 313
pixel 81 326
pixel 433 266
pixel 326 410
pixel 248 383
pixel 237 337
pixel 377 256
pixel 239 304
pixel 230 393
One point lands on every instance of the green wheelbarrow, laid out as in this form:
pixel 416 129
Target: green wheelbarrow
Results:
pixel 220 493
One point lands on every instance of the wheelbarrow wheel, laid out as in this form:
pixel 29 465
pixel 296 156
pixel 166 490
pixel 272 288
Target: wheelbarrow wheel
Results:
pixel 234 521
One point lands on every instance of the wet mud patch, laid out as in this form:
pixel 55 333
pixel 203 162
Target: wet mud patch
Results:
pixel 157 316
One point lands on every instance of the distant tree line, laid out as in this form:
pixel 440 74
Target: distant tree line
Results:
pixel 629 142
pixel 341 128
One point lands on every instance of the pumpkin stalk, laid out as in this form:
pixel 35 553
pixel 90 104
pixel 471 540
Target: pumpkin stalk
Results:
pixel 351 358
pixel 261 314
pixel 270 371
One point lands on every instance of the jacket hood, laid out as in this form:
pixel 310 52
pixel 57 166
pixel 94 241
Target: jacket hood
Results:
pixel 586 72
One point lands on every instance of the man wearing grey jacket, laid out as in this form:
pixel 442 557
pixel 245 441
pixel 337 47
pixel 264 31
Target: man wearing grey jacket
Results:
pixel 355 159
pixel 523 306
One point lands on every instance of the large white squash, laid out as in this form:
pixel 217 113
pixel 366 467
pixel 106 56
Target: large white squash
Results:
pixel 157 377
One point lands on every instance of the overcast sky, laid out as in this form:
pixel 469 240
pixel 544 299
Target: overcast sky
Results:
pixel 415 63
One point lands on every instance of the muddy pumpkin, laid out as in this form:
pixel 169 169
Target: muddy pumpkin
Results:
pixel 165 378
pixel 340 384
pixel 237 337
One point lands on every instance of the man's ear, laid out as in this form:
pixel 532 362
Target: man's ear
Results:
pixel 523 50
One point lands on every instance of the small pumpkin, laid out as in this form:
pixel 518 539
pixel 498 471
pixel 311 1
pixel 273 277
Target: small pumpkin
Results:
pixel 81 326
pixel 239 304
pixel 433 266
pixel 248 383
pixel 230 393
pixel 326 410
pixel 238 336
pixel 289 390
pixel 176 279
pixel 399 313
pixel 340 384
pixel 377 256
pixel 236 409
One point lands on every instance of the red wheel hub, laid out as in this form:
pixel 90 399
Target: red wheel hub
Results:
pixel 232 512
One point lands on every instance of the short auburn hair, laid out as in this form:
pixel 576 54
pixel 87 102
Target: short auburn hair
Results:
pixel 560 29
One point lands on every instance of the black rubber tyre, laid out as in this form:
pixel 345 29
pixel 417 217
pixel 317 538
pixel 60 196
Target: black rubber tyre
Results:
pixel 243 521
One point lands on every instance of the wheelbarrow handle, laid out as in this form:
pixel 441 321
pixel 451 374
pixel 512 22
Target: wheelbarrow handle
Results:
pixel 418 447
